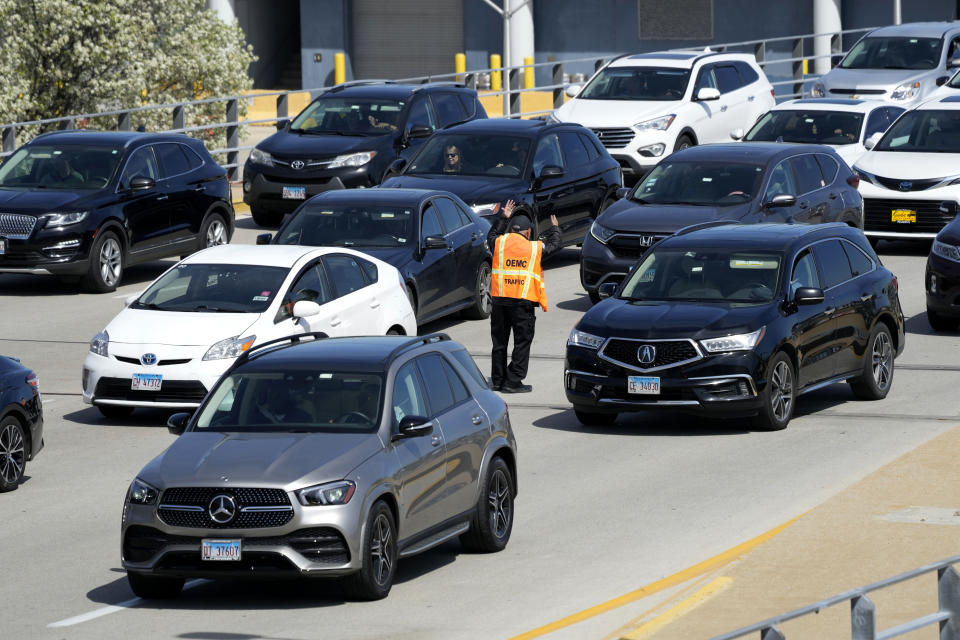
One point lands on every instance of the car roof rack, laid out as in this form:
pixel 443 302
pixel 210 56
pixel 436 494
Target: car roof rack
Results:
pixel 417 341
pixel 356 83
pixel 442 83
pixel 277 343
pixel 704 225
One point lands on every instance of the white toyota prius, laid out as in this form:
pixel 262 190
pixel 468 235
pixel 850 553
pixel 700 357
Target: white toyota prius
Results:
pixel 172 342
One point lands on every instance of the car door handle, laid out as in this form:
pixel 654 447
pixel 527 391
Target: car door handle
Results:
pixel 750 99
pixel 832 196
pixel 723 108
pixel 163 197
pixel 866 296
pixel 829 310
pixel 200 188
pixel 335 322
pixel 803 205
pixel 374 303
pixel 476 420
pixel 436 441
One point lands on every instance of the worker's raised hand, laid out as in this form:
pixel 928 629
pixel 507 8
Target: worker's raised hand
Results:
pixel 508 209
pixel 553 221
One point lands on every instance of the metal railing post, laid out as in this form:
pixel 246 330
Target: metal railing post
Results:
pixel 836 47
pixel 798 67
pixel 948 588
pixel 771 633
pixel 123 121
pixel 179 116
pixel 9 138
pixel 65 125
pixel 282 107
pixel 233 139
pixel 760 52
pixel 863 619
pixel 470 80
pixel 598 65
pixel 514 83
pixel 558 86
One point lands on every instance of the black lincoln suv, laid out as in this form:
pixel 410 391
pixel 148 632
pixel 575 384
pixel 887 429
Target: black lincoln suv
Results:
pixel 738 320
pixel 88 204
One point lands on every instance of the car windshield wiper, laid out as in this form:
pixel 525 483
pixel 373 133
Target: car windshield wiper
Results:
pixel 640 200
pixel 203 307
pixel 149 305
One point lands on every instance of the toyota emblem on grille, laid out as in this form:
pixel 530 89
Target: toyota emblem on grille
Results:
pixel 222 509
pixel 148 359
pixel 646 354
pixel 298 164
pixel 906 185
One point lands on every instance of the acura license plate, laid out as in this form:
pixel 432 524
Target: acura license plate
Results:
pixel 219 549
pixel 294 193
pixel 906 216
pixel 643 385
pixel 146 381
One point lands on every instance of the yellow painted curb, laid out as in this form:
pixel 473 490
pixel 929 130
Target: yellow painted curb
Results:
pixel 647 629
pixel 678 578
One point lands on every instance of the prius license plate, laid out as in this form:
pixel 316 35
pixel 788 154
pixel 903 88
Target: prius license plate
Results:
pixel 903 216
pixel 643 385
pixel 219 550
pixel 294 193
pixel 146 382
pixel 3 246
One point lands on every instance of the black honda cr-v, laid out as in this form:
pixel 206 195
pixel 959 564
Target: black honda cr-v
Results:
pixel 348 137
pixel 738 320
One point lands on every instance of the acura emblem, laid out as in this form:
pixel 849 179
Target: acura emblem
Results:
pixel 222 509
pixel 298 164
pixel 148 359
pixel 647 354
pixel 906 185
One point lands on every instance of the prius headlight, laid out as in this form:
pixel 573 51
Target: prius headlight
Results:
pixel 740 342
pixel 229 348
pixel 326 494
pixel 352 159
pixel 100 343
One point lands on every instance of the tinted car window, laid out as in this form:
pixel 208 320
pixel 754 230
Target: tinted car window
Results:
pixel 325 224
pixel 312 285
pixel 727 78
pixel 807 172
pixel 420 113
pixel 781 182
pixel 747 74
pixel 707 183
pixel 464 216
pixel 369 269
pixel 815 126
pixel 804 273
pixel 574 153
pixel 449 109
pixel 460 392
pixel 449 216
pixel 214 288
pixel 829 167
pixel 431 224
pixel 637 83
pixel 60 167
pixel 705 80
pixel 547 153
pixel 876 123
pixel 345 274
pixel 364 116
pixel 142 162
pixel 859 262
pixel 172 159
pixel 193 158
pixel 435 382
pixel 834 266
pixel 478 154
pixel 408 399
pixel 470 366
pixel 592 152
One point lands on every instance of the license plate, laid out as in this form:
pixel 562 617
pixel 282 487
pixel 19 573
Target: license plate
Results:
pixel 220 550
pixel 146 381
pixel 294 193
pixel 903 215
pixel 3 246
pixel 643 385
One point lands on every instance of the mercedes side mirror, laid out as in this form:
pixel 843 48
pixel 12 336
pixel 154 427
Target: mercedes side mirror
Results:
pixel 177 423
pixel 607 289
pixel 872 141
pixel 264 238
pixel 783 200
pixel 142 183
pixel 736 134
pixel 305 309
pixel 435 242
pixel 708 93
pixel 573 89
pixel 808 295
pixel 414 427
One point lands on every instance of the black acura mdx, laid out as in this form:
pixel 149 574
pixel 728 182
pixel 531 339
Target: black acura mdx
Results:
pixel 88 204
pixel 735 320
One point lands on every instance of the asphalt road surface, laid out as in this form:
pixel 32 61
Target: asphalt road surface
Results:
pixel 600 513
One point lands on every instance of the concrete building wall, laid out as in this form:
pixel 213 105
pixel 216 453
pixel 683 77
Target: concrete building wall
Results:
pixel 324 30
pixel 273 30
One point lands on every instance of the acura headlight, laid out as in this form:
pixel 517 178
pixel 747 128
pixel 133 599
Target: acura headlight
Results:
pixel 948 251
pixel 906 91
pixel 141 493
pixel 229 348
pixel 338 492
pixel 657 124
pixel 600 232
pixel 818 90
pixel 488 209
pixel 741 342
pixel 352 159
pixel 65 219
pixel 258 156
pixel 583 339
pixel 100 343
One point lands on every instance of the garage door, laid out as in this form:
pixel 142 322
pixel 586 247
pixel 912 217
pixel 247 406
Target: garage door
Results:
pixel 405 38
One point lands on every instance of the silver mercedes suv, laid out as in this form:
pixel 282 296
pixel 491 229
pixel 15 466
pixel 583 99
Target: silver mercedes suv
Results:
pixel 325 457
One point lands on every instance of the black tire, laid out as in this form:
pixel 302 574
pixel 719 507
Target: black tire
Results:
pixel 378 556
pixel 13 453
pixel 492 520
pixel 105 268
pixel 214 231
pixel 266 218
pixel 594 296
pixel 938 322
pixel 877 377
pixel 115 411
pixel 683 142
pixel 482 302
pixel 393 331
pixel 591 419
pixel 779 395
pixel 154 587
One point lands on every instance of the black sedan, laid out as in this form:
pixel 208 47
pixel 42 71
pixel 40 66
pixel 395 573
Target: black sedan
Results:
pixel 436 242
pixel 88 204
pixel 738 320
pixel 547 169
pixel 942 280
pixel 749 182
pixel 21 421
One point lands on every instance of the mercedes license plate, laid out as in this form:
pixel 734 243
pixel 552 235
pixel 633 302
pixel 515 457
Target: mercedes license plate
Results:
pixel 644 385
pixel 294 193
pixel 219 549
pixel 146 382
pixel 903 216
pixel 3 246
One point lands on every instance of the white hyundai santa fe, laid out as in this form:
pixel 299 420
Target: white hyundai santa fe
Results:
pixel 171 343
pixel 644 107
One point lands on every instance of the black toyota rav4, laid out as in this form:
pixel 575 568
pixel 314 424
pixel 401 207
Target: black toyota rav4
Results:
pixel 346 138
pixel 738 320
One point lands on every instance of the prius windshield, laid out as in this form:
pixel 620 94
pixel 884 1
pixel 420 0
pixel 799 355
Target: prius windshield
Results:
pixel 810 127
pixel 314 400
pixel 637 83
pixel 367 225
pixel 214 288
pixel 923 131
pixel 894 53
pixel 705 275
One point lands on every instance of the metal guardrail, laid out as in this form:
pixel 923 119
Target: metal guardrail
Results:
pixel 863 614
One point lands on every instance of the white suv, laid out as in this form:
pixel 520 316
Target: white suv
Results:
pixel 643 107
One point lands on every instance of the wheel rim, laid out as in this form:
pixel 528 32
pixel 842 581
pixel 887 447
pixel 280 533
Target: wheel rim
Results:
pixel 499 500
pixel 381 549
pixel 216 233
pixel 12 454
pixel 882 360
pixel 483 289
pixel 111 261
pixel 683 145
pixel 781 391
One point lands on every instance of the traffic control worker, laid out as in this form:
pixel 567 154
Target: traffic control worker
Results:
pixel 516 288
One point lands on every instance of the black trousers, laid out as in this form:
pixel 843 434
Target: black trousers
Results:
pixel 520 319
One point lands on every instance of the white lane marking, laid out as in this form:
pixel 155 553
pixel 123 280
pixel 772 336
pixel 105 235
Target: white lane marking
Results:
pixel 113 608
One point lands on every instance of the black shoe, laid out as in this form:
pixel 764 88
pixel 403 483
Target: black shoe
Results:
pixel 520 388
pixel 496 387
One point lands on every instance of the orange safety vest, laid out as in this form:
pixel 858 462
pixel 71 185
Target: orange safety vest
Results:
pixel 516 269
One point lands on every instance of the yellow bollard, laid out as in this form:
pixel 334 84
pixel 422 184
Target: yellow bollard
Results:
pixel 339 68
pixel 528 72
pixel 460 66
pixel 806 66
pixel 495 75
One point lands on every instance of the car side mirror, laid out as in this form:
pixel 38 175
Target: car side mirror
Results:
pixel 264 238
pixel 573 89
pixel 551 171
pixel 419 131
pixel 708 93
pixel 872 141
pixel 953 63
pixel 736 134
pixel 808 295
pixel 305 309
pixel 623 192
pixel 942 80
pixel 435 242
pixel 607 289
pixel 783 200
pixel 949 207
pixel 129 300
pixel 283 124
pixel 177 423
pixel 396 167
pixel 414 427
pixel 142 183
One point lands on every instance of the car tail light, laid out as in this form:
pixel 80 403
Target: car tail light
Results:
pixel 895 285
pixel 773 92
pixel 854 181
pixel 403 285
pixel 33 380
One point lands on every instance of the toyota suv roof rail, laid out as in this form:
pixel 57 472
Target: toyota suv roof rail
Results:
pixel 418 341
pixel 356 83
pixel 277 343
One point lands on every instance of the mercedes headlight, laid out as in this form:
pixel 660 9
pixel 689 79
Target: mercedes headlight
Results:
pixel 600 232
pixel 65 219
pixel 100 343
pixel 741 342
pixel 141 493
pixel 657 124
pixel 352 160
pixel 325 494
pixel 488 209
pixel 818 90
pixel 906 91
pixel 583 339
pixel 229 348
pixel 258 156
pixel 948 251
